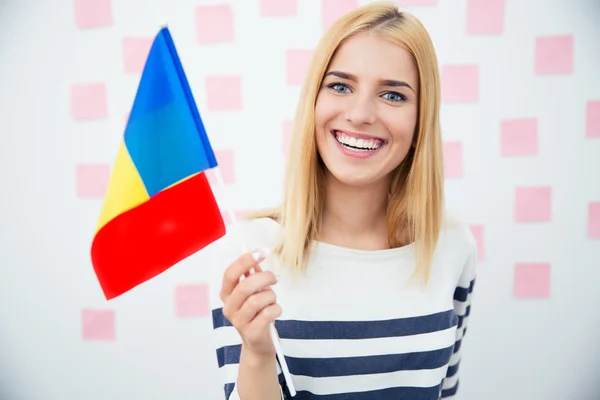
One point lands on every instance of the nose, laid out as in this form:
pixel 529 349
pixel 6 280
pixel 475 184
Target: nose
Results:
pixel 361 111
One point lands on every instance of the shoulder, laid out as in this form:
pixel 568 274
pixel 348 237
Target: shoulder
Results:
pixel 457 242
pixel 457 234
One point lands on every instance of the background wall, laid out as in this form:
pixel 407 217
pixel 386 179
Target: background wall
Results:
pixel 521 125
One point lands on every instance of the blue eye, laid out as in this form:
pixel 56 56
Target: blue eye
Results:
pixel 395 97
pixel 339 87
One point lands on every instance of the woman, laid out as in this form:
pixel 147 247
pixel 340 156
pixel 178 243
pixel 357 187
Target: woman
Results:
pixel 375 281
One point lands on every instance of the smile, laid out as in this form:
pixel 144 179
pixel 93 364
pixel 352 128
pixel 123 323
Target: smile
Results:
pixel 353 142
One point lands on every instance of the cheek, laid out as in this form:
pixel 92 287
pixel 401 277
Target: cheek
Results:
pixel 325 111
pixel 401 125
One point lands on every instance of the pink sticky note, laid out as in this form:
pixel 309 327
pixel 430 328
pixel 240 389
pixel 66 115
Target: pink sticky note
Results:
pixel 331 10
pixel 453 159
pixel 92 13
pixel 592 119
pixel 191 300
pixel 519 137
pixel 225 159
pixel 288 127
pixel 533 204
pixel 485 17
pixel 214 24
pixel 593 222
pixel 477 231
pixel 554 55
pixel 460 83
pixel 135 52
pixel 97 324
pixel 278 8
pixel 89 101
pixel 417 2
pixel 296 66
pixel 226 218
pixel 239 215
pixel 532 280
pixel 224 93
pixel 91 180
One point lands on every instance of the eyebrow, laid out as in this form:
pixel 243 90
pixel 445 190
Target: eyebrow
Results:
pixel 383 82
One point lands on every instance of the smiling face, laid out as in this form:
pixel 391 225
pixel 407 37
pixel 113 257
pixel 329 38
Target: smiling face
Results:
pixel 366 110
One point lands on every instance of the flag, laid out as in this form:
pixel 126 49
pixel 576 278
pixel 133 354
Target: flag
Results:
pixel 159 207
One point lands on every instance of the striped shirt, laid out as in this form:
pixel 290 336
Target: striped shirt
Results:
pixel 355 326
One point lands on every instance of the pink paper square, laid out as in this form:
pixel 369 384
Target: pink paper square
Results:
pixel 477 231
pixel 533 204
pixel 278 8
pixel 296 66
pixel 224 93
pixel 519 137
pixel 331 10
pixel 239 215
pixel 288 127
pixel 532 280
pixel 214 24
pixel 91 180
pixel 226 219
pixel 92 13
pixel 89 101
pixel 135 53
pixel 485 17
pixel 98 324
pixel 417 2
pixel 453 159
pixel 460 83
pixel 593 222
pixel 554 55
pixel 225 159
pixel 191 300
pixel 592 119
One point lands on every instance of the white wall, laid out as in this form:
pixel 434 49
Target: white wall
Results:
pixel 545 347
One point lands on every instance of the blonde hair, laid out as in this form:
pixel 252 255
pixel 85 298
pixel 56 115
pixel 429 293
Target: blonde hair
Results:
pixel 416 194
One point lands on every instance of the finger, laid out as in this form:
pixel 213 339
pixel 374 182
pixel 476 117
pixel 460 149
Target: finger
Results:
pixel 265 317
pixel 253 305
pixel 253 284
pixel 238 268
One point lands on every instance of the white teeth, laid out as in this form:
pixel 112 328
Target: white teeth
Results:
pixel 361 144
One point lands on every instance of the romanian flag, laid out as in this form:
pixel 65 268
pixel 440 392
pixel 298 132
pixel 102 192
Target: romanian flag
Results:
pixel 158 208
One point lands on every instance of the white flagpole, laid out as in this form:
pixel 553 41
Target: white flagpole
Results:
pixel 274 336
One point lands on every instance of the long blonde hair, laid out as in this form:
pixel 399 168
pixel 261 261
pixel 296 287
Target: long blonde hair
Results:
pixel 415 209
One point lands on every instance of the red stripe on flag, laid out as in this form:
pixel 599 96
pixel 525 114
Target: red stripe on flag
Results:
pixel 144 242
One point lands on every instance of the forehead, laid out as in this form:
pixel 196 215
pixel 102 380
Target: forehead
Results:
pixel 369 56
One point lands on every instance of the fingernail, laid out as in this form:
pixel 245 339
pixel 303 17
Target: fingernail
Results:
pixel 260 255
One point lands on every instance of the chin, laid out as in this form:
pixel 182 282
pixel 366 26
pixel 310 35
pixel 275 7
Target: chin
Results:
pixel 348 177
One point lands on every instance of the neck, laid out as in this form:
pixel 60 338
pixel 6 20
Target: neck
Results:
pixel 355 216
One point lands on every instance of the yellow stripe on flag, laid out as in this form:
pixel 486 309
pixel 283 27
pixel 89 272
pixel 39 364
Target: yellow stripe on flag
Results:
pixel 125 189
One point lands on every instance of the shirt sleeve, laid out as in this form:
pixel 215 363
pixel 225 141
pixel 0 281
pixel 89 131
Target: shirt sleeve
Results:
pixel 227 341
pixel 463 295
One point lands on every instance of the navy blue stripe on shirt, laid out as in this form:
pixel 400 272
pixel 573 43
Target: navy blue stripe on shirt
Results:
pixel 365 365
pixel 412 393
pixel 452 370
pixel 343 330
pixel 450 392
pixel 346 330
pixel 461 293
pixel 229 355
